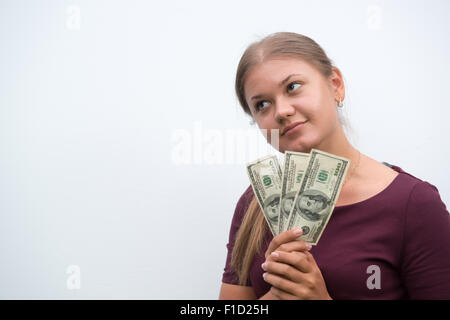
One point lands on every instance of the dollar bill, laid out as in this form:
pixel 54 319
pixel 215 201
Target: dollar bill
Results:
pixel 318 194
pixel 295 164
pixel 265 178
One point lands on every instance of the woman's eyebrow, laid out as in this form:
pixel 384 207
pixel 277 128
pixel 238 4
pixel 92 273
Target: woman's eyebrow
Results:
pixel 280 84
pixel 288 77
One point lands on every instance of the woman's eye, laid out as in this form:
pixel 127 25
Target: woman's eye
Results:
pixel 259 106
pixel 292 85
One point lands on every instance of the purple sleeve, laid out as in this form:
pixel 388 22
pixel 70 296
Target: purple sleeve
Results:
pixel 229 275
pixel 426 246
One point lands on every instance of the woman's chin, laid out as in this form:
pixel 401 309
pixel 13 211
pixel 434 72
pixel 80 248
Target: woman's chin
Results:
pixel 296 148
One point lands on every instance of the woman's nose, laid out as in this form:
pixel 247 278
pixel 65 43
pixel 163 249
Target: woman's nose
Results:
pixel 283 109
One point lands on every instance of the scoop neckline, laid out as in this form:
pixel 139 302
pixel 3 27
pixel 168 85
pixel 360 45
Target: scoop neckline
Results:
pixel 389 186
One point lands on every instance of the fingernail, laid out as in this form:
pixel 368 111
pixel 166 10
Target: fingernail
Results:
pixel 298 232
pixel 264 275
pixel 308 246
pixel 264 265
pixel 275 254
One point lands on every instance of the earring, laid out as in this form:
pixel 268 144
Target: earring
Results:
pixel 340 104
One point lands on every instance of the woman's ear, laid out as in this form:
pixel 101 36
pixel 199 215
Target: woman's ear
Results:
pixel 337 83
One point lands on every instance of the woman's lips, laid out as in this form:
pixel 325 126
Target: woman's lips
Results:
pixel 294 129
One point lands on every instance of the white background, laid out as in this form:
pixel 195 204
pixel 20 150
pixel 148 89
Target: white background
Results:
pixel 92 93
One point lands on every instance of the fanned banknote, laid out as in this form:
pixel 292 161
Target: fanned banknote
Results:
pixel 295 164
pixel 318 194
pixel 265 178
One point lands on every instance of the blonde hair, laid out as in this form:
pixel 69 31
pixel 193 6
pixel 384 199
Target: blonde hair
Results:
pixel 281 44
pixel 248 240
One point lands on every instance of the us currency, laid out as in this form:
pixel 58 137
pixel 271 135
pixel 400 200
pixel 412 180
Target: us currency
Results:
pixel 295 164
pixel 265 178
pixel 318 194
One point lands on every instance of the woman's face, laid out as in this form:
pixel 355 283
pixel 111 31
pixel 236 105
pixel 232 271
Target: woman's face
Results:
pixel 304 95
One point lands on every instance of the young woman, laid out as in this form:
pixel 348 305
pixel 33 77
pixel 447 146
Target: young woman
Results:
pixel 389 235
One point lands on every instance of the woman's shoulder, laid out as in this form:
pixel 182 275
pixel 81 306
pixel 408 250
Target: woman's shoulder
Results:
pixel 383 174
pixel 384 183
pixel 421 195
pixel 413 183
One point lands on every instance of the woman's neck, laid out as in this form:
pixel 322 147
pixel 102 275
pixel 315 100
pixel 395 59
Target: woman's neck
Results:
pixel 340 146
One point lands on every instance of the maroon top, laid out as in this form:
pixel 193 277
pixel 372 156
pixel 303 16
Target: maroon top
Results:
pixel 404 230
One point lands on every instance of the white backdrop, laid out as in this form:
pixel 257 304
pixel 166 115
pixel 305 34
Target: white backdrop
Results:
pixel 114 116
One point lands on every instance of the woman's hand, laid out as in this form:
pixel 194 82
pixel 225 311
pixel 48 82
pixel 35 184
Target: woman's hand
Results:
pixel 292 270
pixel 286 241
